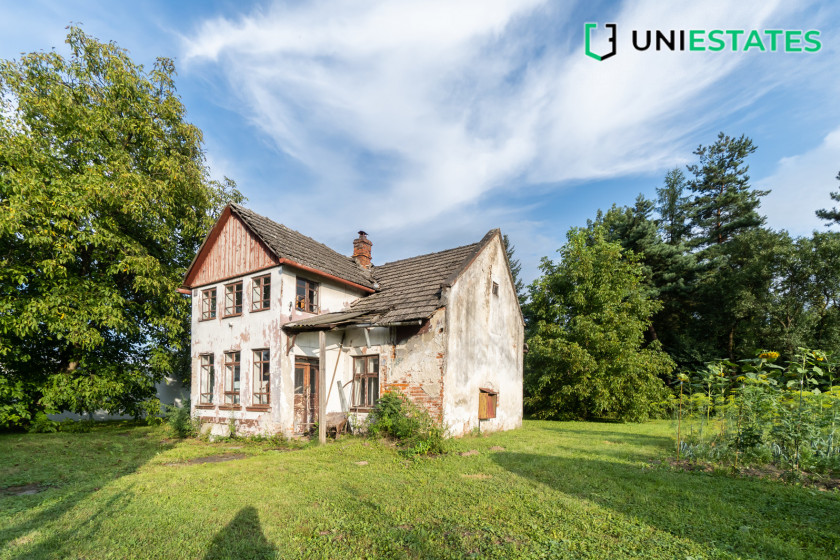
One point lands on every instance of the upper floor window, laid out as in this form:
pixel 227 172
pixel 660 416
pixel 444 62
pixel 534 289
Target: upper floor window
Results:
pixel 495 288
pixel 262 376
pixel 207 379
pixel 365 381
pixel 233 299
pixel 208 304
pixel 306 295
pixel 261 293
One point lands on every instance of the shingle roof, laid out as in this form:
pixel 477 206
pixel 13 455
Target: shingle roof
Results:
pixel 406 290
pixel 410 288
pixel 289 244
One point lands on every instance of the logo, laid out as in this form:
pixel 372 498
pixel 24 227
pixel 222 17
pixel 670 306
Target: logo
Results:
pixel 714 40
pixel 587 29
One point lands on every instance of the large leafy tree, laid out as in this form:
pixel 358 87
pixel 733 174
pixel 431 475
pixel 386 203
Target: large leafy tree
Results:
pixel 587 353
pixel 104 198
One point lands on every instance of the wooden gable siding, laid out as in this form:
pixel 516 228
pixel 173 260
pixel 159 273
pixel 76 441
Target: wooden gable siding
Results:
pixel 231 250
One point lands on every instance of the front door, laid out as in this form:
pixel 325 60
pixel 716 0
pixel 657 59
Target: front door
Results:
pixel 306 394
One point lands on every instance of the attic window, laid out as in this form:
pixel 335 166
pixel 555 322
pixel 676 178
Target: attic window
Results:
pixel 496 289
pixel 233 299
pixel 487 400
pixel 261 293
pixel 306 295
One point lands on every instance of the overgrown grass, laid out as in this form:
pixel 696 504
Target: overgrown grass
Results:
pixel 555 490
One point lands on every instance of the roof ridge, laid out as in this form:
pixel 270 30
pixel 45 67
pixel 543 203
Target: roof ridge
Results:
pixel 427 254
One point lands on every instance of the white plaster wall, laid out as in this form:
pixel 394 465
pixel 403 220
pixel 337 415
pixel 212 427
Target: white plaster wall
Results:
pixel 484 346
pixel 258 330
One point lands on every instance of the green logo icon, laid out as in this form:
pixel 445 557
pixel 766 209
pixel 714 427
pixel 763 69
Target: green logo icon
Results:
pixel 587 30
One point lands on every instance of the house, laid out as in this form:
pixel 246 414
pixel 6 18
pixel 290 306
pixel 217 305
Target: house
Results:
pixel 284 327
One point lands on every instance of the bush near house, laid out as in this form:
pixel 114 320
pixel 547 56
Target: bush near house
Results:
pixel 395 416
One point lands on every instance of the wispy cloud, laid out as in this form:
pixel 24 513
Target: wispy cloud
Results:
pixel 414 111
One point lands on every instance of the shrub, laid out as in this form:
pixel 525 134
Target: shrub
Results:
pixel 42 425
pixel 395 416
pixel 180 421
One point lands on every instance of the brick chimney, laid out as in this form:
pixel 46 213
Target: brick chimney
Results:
pixel 361 250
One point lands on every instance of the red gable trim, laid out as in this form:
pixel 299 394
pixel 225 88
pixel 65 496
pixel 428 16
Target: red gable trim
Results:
pixel 325 275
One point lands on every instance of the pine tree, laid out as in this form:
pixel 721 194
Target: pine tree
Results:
pixel 671 206
pixel 724 203
pixel 832 214
pixel 515 269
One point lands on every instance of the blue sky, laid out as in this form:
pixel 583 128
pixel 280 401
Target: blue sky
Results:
pixel 427 123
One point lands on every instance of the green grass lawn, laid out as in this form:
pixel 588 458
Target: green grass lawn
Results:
pixel 557 490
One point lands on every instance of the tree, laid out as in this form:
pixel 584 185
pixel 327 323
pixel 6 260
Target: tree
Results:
pixel 515 270
pixel 587 354
pixel 833 214
pixel 671 206
pixel 724 204
pixel 668 270
pixel 104 199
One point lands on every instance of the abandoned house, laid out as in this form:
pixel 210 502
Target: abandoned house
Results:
pixel 284 326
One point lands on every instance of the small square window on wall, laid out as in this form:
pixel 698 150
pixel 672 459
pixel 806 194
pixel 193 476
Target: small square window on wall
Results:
pixel 365 381
pixel 208 304
pixel 232 377
pixel 306 295
pixel 262 377
pixel 496 289
pixel 261 293
pixel 233 299
pixel 487 400
pixel 207 379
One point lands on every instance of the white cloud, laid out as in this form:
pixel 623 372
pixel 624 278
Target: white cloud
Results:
pixel 800 185
pixel 413 112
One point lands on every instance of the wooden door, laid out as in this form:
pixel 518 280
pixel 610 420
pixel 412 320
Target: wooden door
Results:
pixel 306 394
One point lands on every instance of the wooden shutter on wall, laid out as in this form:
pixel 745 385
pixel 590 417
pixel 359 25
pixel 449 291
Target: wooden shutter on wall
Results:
pixel 487 404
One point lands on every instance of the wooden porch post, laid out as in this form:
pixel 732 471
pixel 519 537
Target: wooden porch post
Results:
pixel 322 385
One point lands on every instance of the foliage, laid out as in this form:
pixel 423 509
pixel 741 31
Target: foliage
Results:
pixel 180 422
pixel 41 424
pixel 724 203
pixel 587 355
pixel 104 199
pixel 758 412
pixel 395 416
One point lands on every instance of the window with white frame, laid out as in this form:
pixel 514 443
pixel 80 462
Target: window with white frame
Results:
pixel 208 304
pixel 262 377
pixel 207 379
pixel 232 377
pixel 261 293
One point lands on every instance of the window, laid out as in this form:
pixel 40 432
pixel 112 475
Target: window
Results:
pixel 306 295
pixel 208 304
pixel 487 400
pixel 232 372
pixel 495 288
pixel 233 299
pixel 260 293
pixel 365 381
pixel 261 377
pixel 207 379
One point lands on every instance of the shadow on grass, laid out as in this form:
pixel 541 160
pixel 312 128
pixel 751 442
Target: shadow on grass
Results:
pixel 72 467
pixel 744 517
pixel 241 538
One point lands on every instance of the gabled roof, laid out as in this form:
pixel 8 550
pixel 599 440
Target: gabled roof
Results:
pixel 293 246
pixel 409 289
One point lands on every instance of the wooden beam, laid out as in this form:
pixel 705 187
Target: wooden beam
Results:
pixel 322 385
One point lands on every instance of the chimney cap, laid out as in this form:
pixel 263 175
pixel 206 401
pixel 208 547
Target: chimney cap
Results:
pixel 362 233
